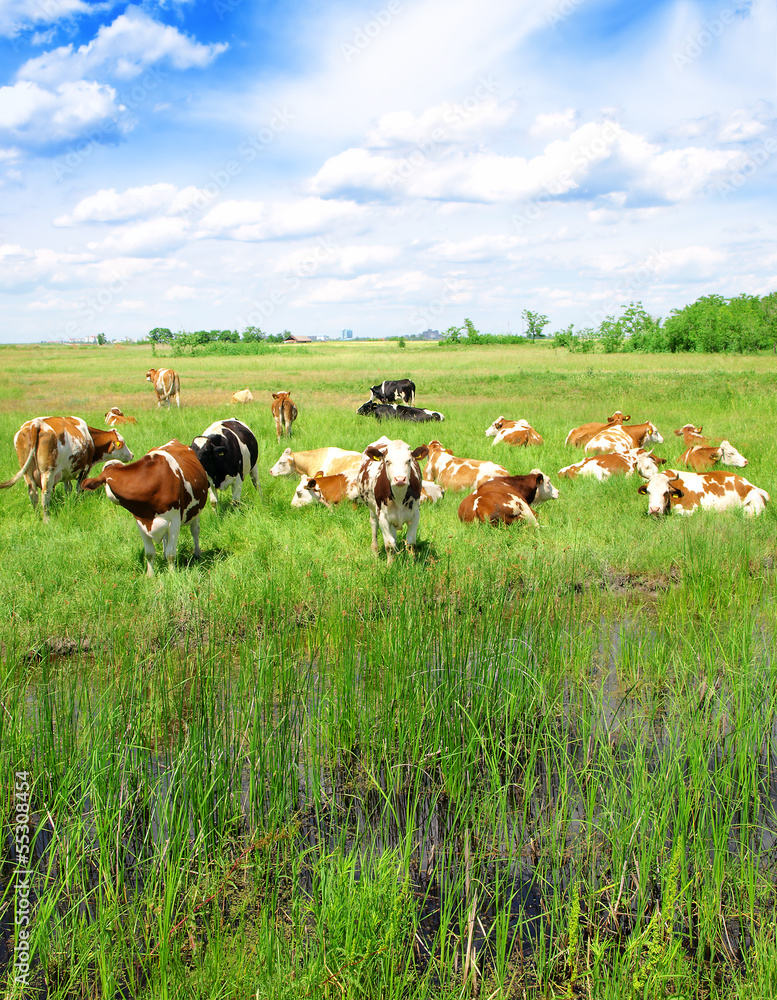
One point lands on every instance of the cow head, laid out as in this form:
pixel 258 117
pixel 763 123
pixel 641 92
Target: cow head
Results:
pixel 118 448
pixel 545 489
pixel 151 374
pixel 619 417
pixel 283 467
pixel 688 429
pixel 659 490
pixel 730 456
pixel 494 429
pixel 308 491
pixel 366 408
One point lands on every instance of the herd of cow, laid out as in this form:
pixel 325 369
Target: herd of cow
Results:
pixel 169 487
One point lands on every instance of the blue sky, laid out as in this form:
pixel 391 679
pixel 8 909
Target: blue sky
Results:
pixel 384 167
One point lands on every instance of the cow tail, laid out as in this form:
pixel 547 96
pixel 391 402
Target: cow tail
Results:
pixel 34 429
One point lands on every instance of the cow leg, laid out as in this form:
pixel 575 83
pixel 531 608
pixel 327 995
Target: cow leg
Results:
pixel 412 531
pixel 194 525
pixel 32 490
pixel 170 541
pixel 46 487
pixel 255 480
pixel 374 529
pixel 150 548
pixel 212 496
pixel 389 540
pixel 237 489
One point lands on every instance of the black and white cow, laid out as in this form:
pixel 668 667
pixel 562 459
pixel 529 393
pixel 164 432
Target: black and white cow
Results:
pixel 397 411
pixel 394 391
pixel 389 481
pixel 228 451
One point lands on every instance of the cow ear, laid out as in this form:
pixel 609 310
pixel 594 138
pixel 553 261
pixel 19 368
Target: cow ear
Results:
pixel 642 489
pixel 311 484
pixel 421 452
pixel 676 493
pixel 374 453
pixel 319 474
pixel 679 432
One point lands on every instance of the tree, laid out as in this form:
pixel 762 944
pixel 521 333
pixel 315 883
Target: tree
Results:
pixel 401 343
pixel 101 339
pixel 535 323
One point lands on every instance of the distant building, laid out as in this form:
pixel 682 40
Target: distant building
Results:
pixel 430 335
pixel 298 338
pixel 346 335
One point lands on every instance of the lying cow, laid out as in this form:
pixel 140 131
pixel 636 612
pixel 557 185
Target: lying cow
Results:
pixel 508 499
pixel 323 489
pixel 59 449
pixel 621 439
pixel 284 411
pixel 691 435
pixel 228 451
pixel 685 492
pixel 390 484
pixel 517 432
pixel 242 396
pixel 701 458
pixel 397 411
pixel 164 490
pixel 580 436
pixel 327 461
pixel 115 416
pixel 167 385
pixel 398 390
pixel 615 464
pixel 330 490
pixel 459 473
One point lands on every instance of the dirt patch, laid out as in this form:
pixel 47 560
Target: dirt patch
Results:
pixel 620 582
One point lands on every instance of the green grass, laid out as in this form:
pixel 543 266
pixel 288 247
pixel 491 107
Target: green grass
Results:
pixel 531 763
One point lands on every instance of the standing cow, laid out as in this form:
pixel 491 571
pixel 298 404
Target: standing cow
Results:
pixel 167 385
pixel 284 411
pixel 54 449
pixel 389 480
pixel 400 390
pixel 164 490
pixel 228 451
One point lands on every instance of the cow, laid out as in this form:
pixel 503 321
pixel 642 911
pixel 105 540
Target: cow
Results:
pixel 701 458
pixel 394 391
pixel 685 492
pixel 615 464
pixel 284 411
pixel 508 499
pixel 54 449
pixel 621 439
pixel 328 460
pixel 164 490
pixel 330 490
pixel 517 432
pixel 390 484
pixel 228 451
pixel 397 411
pixel 167 385
pixel 115 416
pixel 242 396
pixel 459 473
pixel 323 489
pixel 691 435
pixel 579 436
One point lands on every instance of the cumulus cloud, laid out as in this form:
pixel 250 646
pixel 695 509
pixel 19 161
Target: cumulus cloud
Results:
pixel 596 158
pixel 19 15
pixel 345 261
pixel 478 249
pixel 108 205
pixel 125 48
pixel 478 115
pixel 554 124
pixel 34 117
pixel 151 238
pixel 371 288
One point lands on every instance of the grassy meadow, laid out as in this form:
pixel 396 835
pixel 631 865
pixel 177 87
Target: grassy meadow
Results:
pixel 532 763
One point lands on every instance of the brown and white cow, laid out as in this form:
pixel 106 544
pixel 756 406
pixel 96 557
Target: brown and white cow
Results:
pixel 621 439
pixel 615 464
pixel 517 432
pixel 242 396
pixel 323 489
pixel 579 436
pixel 701 458
pixel 685 492
pixel 164 490
pixel 284 411
pixel 327 461
pixel 508 499
pixel 459 473
pixel 60 449
pixel 115 416
pixel 691 435
pixel 166 383
pixel 390 484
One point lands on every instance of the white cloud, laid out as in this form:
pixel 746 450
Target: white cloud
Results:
pixel 152 238
pixel 478 248
pixel 475 116
pixel 35 117
pixel 371 287
pixel 51 305
pixel 133 42
pixel 554 124
pixel 344 261
pixel 17 15
pixel 181 293
pixel 135 203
